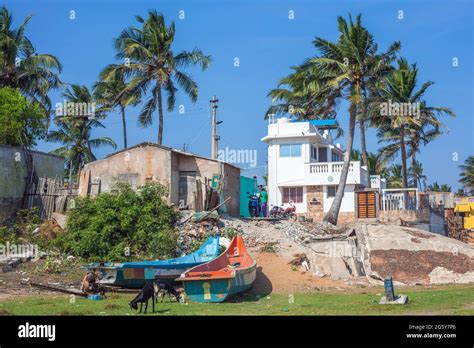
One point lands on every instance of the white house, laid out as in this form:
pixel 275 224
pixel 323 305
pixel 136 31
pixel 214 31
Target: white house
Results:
pixel 304 166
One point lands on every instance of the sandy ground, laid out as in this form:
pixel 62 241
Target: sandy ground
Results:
pixel 11 282
pixel 274 274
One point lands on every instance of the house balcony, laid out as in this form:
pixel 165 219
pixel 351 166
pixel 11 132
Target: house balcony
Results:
pixel 329 173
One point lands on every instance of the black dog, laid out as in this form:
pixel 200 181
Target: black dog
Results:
pixel 162 288
pixel 143 297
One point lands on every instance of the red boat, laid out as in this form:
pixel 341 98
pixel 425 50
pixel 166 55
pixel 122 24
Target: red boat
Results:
pixel 232 272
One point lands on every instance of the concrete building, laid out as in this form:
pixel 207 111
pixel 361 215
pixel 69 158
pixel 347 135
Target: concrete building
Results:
pixel 185 175
pixel 14 175
pixel 304 167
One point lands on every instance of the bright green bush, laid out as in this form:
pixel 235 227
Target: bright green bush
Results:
pixel 121 225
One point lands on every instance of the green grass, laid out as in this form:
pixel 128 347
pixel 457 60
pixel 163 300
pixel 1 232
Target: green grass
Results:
pixel 452 300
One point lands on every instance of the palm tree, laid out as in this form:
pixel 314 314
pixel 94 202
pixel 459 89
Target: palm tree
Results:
pixel 110 93
pixel 395 179
pixel 74 131
pixel 302 95
pixel 435 187
pixel 22 67
pixel 355 155
pixel 467 174
pixel 416 176
pixel 347 68
pixel 154 67
pixel 377 165
pixel 400 87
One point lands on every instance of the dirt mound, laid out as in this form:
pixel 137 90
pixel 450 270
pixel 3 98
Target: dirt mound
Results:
pixel 275 275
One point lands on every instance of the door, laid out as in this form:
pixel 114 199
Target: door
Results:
pixel 366 205
pixel 187 189
pixel 322 154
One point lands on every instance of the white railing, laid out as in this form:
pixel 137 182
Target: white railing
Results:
pixel 399 199
pixel 329 173
pixel 329 167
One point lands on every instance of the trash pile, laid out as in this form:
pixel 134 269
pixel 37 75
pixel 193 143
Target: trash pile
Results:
pixel 192 230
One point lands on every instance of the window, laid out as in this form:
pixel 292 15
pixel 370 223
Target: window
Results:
pixel 314 152
pixel 290 150
pixel 294 194
pixel 335 157
pixel 331 192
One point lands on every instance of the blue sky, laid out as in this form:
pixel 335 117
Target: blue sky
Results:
pixel 267 43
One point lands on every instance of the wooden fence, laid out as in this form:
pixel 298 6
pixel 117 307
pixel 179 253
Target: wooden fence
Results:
pixel 49 195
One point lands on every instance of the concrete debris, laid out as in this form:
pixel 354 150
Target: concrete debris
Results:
pixel 59 219
pixel 399 299
pixel 373 251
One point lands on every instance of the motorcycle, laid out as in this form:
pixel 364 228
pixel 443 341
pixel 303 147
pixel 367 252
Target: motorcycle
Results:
pixel 290 212
pixel 283 213
pixel 277 211
pixel 254 210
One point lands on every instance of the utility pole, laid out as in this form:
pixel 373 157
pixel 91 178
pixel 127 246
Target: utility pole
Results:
pixel 215 137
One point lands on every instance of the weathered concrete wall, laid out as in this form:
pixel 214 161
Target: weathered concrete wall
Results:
pixel 137 166
pixel 13 174
pixel 206 168
pixel 413 256
pixel 148 163
pixel 409 215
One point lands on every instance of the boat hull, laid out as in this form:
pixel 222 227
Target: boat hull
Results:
pixel 218 290
pixel 134 278
pixel 232 272
pixel 136 274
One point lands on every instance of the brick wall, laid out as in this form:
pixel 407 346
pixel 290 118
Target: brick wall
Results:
pixel 314 203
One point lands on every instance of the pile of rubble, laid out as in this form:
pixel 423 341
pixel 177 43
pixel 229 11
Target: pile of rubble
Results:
pixel 307 233
pixel 190 233
pixel 372 251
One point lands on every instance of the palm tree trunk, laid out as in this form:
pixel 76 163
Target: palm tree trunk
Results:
pixel 124 124
pixel 363 147
pixel 70 172
pixel 333 212
pixel 414 149
pixel 160 113
pixel 403 152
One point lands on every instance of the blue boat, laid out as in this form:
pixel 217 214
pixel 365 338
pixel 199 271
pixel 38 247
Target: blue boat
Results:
pixel 232 272
pixel 136 274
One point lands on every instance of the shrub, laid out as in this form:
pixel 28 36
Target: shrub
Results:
pixel 20 227
pixel 121 224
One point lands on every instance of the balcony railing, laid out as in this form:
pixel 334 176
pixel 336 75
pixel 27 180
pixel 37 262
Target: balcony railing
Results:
pixel 329 167
pixel 329 173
